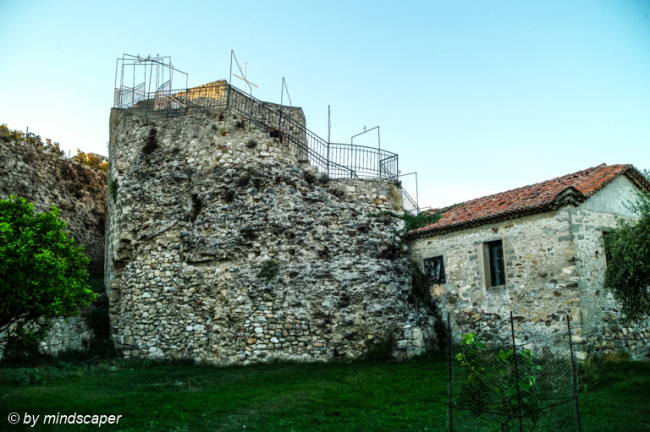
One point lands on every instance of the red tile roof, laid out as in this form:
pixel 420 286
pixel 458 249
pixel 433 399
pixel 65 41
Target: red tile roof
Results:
pixel 571 189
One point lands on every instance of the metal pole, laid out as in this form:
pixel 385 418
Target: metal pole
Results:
pixel 417 198
pixel 451 402
pixel 574 372
pixel 378 139
pixel 329 127
pixel 230 76
pixel 514 352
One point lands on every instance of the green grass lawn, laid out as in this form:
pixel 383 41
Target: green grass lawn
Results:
pixel 284 397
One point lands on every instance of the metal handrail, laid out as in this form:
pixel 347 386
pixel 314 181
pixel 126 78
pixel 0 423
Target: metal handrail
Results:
pixel 336 160
pixel 409 204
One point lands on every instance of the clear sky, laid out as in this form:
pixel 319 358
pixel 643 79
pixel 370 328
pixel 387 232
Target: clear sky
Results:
pixel 478 97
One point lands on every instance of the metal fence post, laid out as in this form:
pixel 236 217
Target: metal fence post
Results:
pixel 451 402
pixel 574 373
pixel 514 352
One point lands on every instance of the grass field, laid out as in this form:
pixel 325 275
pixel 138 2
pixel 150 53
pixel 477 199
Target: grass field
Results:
pixel 357 396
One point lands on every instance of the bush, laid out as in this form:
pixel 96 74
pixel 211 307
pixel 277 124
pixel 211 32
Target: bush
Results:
pixel 42 274
pixel 628 262
pixel 91 160
pixel 31 139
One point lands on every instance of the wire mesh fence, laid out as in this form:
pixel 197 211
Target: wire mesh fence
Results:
pixel 509 388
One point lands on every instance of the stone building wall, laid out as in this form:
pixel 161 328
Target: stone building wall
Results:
pixel 541 278
pixel 603 329
pixel 80 195
pixel 554 265
pixel 226 247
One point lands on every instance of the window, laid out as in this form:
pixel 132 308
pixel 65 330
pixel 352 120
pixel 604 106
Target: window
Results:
pixel 497 275
pixel 434 269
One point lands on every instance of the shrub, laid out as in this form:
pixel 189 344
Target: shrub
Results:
pixel 42 274
pixel 112 189
pixel 628 264
pixel 31 139
pixel 91 160
pixel 269 270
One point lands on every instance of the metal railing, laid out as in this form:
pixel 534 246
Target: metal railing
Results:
pixel 335 160
pixel 409 204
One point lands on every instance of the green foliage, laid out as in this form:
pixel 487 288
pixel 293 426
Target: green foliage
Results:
pixel 112 189
pixel 31 139
pixel 492 378
pixel 269 270
pixel 628 263
pixel 418 221
pixel 91 160
pixel 42 274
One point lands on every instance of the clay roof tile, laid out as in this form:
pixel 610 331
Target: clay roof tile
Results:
pixel 571 189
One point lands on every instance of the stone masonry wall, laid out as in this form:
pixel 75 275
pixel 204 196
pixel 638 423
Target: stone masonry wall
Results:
pixel 541 279
pixel 80 195
pixel 554 264
pixel 224 246
pixel 76 190
pixel 603 329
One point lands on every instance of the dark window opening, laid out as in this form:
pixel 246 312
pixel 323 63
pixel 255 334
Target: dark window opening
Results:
pixel 608 252
pixel 434 269
pixel 495 256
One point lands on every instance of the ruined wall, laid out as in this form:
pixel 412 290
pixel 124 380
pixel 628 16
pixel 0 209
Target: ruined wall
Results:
pixel 80 194
pixel 223 246
pixel 554 265
pixel 77 191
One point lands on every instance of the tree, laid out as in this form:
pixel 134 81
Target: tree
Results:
pixel 628 261
pixel 42 274
pixel 92 160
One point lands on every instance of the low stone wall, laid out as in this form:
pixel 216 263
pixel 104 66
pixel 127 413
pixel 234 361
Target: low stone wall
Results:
pixel 72 333
pixel 223 246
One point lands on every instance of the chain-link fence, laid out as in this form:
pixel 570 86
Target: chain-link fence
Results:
pixel 508 388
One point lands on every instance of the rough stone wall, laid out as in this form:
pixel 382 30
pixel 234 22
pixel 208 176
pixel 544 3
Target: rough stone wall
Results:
pixel 76 190
pixel 541 278
pixel 603 329
pixel 554 265
pixel 80 195
pixel 223 246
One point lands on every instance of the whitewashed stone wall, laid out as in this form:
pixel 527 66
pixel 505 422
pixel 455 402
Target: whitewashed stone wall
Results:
pixel 197 220
pixel 554 265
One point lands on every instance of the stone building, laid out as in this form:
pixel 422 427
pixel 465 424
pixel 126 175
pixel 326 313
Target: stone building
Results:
pixel 536 251
pixel 225 244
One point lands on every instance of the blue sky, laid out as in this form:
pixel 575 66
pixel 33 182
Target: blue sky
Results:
pixel 478 97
